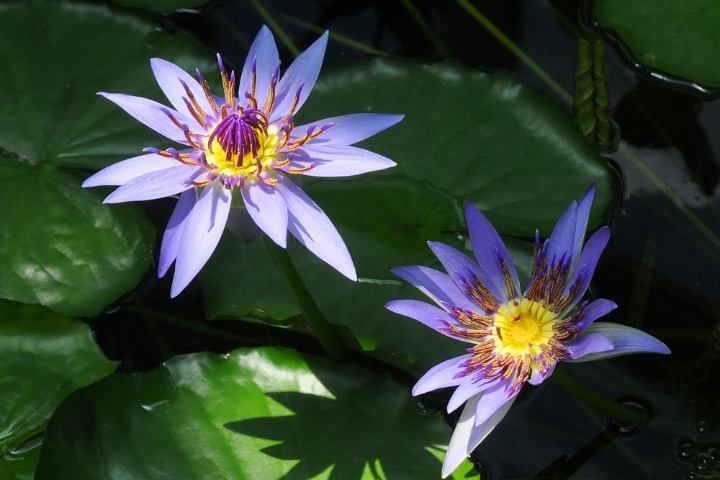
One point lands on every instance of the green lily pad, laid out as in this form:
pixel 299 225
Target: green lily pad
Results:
pixel 61 247
pixel 254 413
pixel 507 147
pixel 679 38
pixel 20 463
pixel 45 357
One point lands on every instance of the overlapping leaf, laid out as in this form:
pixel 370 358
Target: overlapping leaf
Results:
pixel 680 38
pixel 45 356
pixel 267 413
pixel 61 247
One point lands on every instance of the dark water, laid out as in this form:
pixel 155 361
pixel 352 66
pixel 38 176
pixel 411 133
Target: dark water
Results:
pixel 661 266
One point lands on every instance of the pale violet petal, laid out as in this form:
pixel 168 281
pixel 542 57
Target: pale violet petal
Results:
pixel 585 265
pixel 583 212
pixel 489 252
pixel 467 436
pixel 429 315
pixel 562 239
pixel 538 376
pixel 122 172
pixel 567 237
pixel 463 271
pixel 268 210
pixel 493 399
pixel 163 183
pixel 469 389
pixel 169 76
pixel 151 114
pixel 436 285
pixel 588 344
pixel 338 161
pixel 263 57
pixel 593 311
pixel 349 129
pixel 309 224
pixel 203 228
pixel 442 375
pixel 626 340
pixel 173 232
pixel 301 74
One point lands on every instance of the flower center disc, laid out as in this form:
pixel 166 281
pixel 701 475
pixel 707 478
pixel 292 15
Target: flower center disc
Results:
pixel 242 147
pixel 525 330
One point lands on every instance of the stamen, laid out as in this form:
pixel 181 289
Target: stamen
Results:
pixel 228 84
pixel 206 89
pixel 193 106
pixel 189 136
pixel 172 117
pixel 509 284
pixel 296 100
pixel 311 133
pixel 270 99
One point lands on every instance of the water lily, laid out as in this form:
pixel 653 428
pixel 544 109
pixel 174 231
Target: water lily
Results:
pixel 246 145
pixel 516 337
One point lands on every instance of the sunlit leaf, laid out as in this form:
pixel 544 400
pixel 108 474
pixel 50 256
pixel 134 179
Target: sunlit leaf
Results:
pixel 61 247
pixel 267 413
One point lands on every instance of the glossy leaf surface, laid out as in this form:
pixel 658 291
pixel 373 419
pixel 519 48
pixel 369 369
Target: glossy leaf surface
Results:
pixel 680 38
pixel 266 413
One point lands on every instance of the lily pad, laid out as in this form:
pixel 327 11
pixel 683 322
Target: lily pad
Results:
pixel 507 147
pixel 266 413
pixel 45 357
pixel 679 38
pixel 61 247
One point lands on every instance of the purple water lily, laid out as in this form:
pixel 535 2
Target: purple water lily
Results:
pixel 516 337
pixel 245 142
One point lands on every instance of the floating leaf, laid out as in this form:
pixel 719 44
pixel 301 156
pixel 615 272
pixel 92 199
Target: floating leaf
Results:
pixel 680 38
pixel 61 247
pixel 507 147
pixel 266 413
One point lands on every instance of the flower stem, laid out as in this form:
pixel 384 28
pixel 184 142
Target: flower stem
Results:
pixel 317 322
pixel 623 415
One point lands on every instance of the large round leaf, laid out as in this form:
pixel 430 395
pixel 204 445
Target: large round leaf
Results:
pixel 61 247
pixel 45 356
pixel 680 38
pixel 507 147
pixel 267 413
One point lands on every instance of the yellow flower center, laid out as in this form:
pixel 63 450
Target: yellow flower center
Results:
pixel 238 151
pixel 523 328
